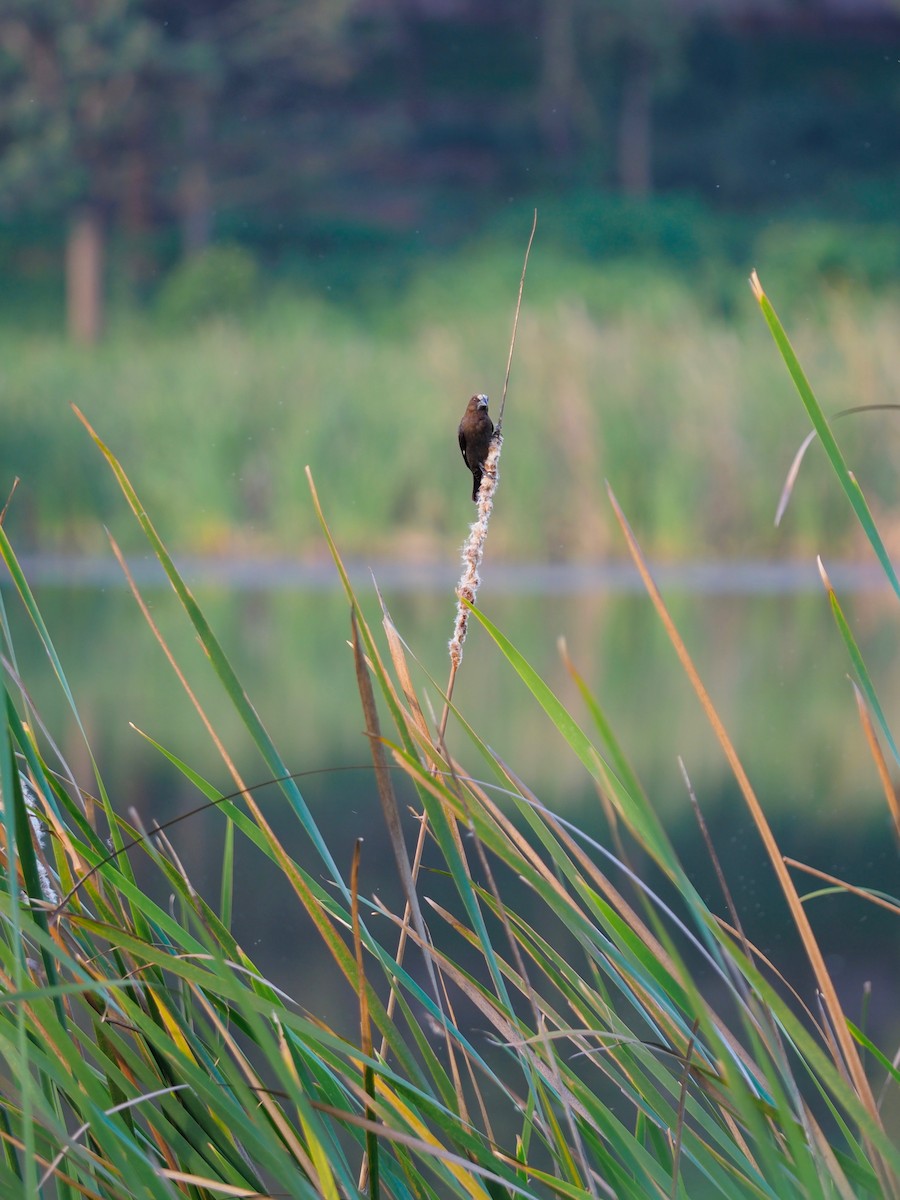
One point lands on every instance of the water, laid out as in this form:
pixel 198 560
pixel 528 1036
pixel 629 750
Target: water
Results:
pixel 763 640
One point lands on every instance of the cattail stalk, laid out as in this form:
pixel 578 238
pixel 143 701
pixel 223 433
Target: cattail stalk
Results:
pixel 473 550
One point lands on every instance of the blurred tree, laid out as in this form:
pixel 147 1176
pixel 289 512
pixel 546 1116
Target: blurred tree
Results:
pixel 71 88
pixel 635 147
pixel 646 41
pixel 115 112
pixel 146 126
pixel 248 101
pixel 636 45
pixel 566 112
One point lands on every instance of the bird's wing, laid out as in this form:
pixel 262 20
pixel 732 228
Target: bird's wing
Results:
pixel 462 447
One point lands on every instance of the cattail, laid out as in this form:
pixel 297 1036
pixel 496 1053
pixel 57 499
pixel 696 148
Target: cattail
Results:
pixel 473 550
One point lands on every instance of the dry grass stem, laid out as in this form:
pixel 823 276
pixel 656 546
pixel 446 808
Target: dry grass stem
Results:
pixel 515 329
pixel 473 551
pixel 846 1053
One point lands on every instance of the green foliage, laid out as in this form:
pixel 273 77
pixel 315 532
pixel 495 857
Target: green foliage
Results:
pixel 796 252
pixel 675 229
pixel 141 1045
pixel 221 281
pixel 326 128
pixel 72 85
pixel 617 368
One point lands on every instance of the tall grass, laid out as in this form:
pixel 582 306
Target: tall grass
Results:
pixel 143 1053
pixel 622 373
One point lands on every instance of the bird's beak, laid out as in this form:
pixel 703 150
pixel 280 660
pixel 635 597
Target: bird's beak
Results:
pixel 482 401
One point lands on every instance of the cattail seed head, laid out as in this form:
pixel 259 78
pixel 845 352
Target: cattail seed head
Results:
pixel 473 550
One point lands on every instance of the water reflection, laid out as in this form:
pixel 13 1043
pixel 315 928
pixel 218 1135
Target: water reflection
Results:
pixel 745 578
pixel 772 661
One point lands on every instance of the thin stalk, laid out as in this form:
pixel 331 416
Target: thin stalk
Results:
pixel 473 551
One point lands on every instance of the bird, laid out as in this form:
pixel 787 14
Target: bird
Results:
pixel 475 432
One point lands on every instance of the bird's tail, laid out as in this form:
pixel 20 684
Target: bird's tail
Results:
pixel 477 477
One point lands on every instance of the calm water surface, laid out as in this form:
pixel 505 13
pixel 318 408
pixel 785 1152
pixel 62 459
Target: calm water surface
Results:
pixel 762 637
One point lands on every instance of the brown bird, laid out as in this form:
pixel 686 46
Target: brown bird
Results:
pixel 475 432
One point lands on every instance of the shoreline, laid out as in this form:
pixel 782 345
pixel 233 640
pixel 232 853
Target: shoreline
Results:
pixel 617 576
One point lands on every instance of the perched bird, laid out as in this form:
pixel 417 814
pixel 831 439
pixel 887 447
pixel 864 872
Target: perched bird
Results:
pixel 475 432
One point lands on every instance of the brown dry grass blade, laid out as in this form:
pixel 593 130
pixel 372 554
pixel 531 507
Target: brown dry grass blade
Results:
pixel 401 667
pixel 388 799
pixel 180 675
pixel 512 341
pixel 794 471
pixel 467 1172
pixel 370 1169
pixel 714 858
pixel 792 474
pixel 12 492
pixel 849 1057
pixel 365 1025
pixel 890 793
pixel 331 938
pixel 404 722
pixel 862 893
pixel 682 1101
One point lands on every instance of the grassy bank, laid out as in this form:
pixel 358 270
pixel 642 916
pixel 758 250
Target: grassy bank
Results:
pixel 624 373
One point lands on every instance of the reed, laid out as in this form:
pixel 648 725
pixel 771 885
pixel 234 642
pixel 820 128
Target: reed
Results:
pixel 638 1043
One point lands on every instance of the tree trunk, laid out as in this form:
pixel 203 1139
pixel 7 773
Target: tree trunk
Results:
pixel 412 77
pixel 136 220
pixel 195 193
pixel 635 170
pixel 84 276
pixel 559 84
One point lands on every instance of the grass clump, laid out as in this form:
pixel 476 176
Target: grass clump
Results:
pixel 144 1054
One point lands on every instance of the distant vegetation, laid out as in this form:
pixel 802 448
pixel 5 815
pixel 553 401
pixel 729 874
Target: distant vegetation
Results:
pixel 328 137
pixel 649 368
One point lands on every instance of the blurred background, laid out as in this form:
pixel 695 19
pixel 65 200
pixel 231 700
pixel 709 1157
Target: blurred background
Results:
pixel 288 227
pixel 247 235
